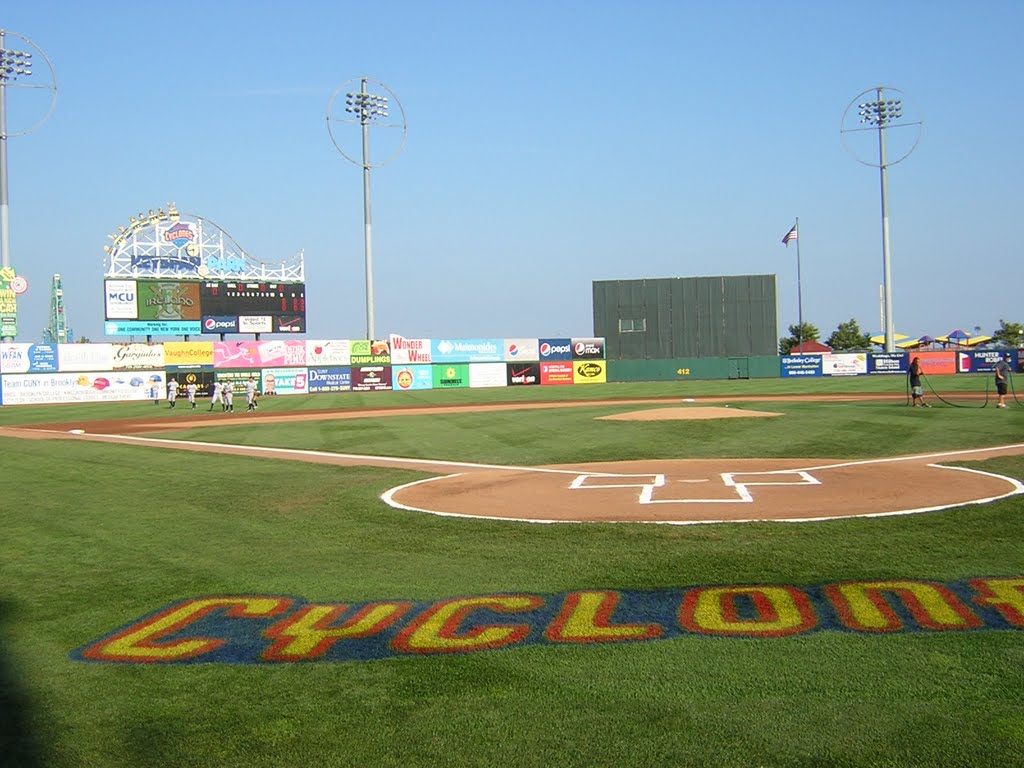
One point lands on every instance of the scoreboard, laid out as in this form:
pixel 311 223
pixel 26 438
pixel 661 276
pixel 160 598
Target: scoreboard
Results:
pixel 243 298
pixel 253 307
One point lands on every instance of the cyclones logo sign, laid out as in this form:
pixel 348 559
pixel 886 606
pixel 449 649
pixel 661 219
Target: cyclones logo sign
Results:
pixel 273 629
pixel 181 234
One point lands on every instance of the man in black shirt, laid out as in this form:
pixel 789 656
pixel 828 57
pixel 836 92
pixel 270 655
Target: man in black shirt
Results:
pixel 915 383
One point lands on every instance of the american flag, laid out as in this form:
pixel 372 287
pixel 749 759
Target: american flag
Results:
pixel 791 235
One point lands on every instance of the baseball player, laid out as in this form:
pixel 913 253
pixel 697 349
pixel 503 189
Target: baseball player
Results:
pixel 228 390
pixel 172 391
pixel 190 393
pixel 217 396
pixel 250 394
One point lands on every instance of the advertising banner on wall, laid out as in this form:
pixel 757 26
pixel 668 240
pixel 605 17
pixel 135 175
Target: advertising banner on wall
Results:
pixel 589 372
pixel 467 350
pixel 151 328
pixel 520 350
pixel 12 285
pixel 483 375
pixel 28 358
pixel 371 378
pixel 367 352
pixel 168 300
pixel 791 366
pixel 335 379
pixel 136 357
pixel 255 324
pixel 555 349
pixel 188 353
pixel 451 376
pixel 237 378
pixel 121 300
pixel 588 349
pixel 289 323
pixel 936 363
pixel 888 362
pixel 844 364
pixel 556 373
pixel 409 351
pixel 104 386
pixel 410 377
pixel 285 381
pixel 259 354
pixel 523 374
pixel 983 360
pixel 202 376
pixel 85 357
pixel 220 324
pixel 325 353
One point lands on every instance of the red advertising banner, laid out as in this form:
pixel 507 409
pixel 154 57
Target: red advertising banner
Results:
pixel 935 363
pixel 556 373
pixel 370 378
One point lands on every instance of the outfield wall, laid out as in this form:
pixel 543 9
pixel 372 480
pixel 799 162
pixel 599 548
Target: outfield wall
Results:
pixel 77 373
pixel 801 366
pixel 81 373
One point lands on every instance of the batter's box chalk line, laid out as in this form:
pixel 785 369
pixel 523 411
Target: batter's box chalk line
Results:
pixel 648 483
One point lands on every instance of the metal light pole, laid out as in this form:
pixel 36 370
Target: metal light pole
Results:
pixel 14 64
pixel 880 115
pixel 367 109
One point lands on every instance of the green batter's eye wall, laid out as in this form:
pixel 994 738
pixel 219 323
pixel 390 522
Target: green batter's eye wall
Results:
pixel 687 317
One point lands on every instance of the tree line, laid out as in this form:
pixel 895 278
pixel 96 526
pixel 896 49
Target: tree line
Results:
pixel 848 337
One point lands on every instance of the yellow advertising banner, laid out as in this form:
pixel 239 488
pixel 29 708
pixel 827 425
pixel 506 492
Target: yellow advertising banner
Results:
pixel 188 353
pixel 589 372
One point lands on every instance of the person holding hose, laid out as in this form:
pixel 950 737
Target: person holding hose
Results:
pixel 1002 372
pixel 915 383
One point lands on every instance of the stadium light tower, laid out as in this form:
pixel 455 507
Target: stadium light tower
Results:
pixel 881 114
pixel 14 65
pixel 367 109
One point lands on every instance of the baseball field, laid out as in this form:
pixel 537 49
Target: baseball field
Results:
pixel 747 573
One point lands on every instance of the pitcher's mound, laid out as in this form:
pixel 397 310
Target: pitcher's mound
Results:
pixel 684 412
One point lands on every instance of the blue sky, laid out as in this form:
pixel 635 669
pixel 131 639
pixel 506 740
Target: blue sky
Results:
pixel 549 144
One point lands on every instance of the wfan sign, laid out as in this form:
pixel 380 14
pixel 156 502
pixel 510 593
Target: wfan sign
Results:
pixel 272 629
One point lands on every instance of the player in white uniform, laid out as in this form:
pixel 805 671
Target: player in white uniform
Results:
pixel 250 394
pixel 217 396
pixel 190 392
pixel 228 388
pixel 172 391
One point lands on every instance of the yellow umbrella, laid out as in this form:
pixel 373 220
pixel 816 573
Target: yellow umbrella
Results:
pixel 977 340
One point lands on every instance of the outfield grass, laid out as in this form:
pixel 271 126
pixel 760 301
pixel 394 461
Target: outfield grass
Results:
pixel 98 535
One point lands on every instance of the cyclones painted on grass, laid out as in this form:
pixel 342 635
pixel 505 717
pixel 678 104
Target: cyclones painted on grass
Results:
pixel 267 629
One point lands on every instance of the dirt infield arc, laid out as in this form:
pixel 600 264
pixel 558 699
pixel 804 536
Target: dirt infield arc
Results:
pixel 648 491
pixel 706 490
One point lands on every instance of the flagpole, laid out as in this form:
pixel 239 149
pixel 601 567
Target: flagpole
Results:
pixel 799 294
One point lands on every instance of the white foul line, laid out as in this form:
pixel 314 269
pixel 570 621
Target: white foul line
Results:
pixel 646 489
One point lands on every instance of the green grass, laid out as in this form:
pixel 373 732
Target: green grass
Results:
pixel 98 535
